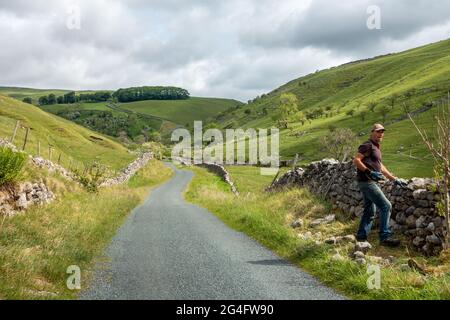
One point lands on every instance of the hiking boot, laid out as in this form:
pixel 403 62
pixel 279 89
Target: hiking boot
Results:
pixel 361 239
pixel 389 242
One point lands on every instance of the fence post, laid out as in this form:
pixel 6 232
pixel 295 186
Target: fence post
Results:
pixel 26 138
pixel 39 149
pixel 59 159
pixel 15 131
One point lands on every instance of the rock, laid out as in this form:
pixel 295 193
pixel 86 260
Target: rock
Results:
pixel 437 222
pixel 411 222
pixel 420 194
pixel 375 259
pixel 418 212
pixel 423 203
pixel 337 257
pixel 22 202
pixel 433 239
pixel 410 210
pixel 297 223
pixel 420 221
pixel 363 246
pixel 305 236
pixel 404 267
pixel 360 261
pixel 418 241
pixel 431 227
pixel 331 240
pixel 358 254
pixel 7 210
pixel 327 219
pixel 349 238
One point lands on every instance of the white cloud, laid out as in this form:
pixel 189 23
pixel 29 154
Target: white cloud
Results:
pixel 236 49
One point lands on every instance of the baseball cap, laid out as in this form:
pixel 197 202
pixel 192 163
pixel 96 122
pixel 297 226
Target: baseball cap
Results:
pixel 378 127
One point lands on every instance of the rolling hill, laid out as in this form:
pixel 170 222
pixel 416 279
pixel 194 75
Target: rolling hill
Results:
pixel 150 115
pixel 356 95
pixel 182 111
pixel 67 138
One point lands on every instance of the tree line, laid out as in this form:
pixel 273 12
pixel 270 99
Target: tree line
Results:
pixel 72 97
pixel 150 93
pixel 121 95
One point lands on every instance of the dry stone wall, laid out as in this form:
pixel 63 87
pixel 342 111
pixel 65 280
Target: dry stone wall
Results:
pixel 221 172
pixel 130 170
pixel 21 197
pixel 414 211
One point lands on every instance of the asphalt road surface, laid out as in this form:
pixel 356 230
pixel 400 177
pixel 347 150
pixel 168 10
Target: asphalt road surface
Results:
pixel 170 249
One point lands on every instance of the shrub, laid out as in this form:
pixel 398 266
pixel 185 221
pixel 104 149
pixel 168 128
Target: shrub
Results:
pixel 11 164
pixel 92 176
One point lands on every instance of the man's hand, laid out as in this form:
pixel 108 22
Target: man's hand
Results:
pixel 376 175
pixel 402 183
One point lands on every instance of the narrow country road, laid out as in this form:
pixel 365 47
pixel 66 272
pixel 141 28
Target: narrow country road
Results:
pixel 170 249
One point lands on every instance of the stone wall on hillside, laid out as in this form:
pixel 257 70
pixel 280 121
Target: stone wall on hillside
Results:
pixel 130 170
pixel 221 172
pixel 414 211
pixel 20 197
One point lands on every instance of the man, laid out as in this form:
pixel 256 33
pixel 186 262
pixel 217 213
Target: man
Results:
pixel 370 170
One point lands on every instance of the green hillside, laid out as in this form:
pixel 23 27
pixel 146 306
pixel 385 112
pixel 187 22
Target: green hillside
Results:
pixel 413 78
pixel 68 139
pixel 182 111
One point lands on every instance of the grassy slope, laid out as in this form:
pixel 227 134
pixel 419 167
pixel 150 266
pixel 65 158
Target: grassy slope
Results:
pixel 36 248
pixel 182 111
pixel 266 218
pixel 67 138
pixel 354 86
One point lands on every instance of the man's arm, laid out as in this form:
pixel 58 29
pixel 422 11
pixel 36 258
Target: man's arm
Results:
pixel 357 161
pixel 387 174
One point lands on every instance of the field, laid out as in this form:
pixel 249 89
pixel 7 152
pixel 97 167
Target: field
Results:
pixel 182 111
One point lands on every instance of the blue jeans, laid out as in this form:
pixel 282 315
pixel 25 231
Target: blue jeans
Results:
pixel 373 196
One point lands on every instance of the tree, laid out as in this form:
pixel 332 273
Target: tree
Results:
pixel 363 114
pixel 339 143
pixel 440 150
pixel 43 101
pixel 392 99
pixel 288 106
pixel 70 97
pixel 384 110
pixel 51 99
pixel 60 100
pixel 28 100
pixel 371 105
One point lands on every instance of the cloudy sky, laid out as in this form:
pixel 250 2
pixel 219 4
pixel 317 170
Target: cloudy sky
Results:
pixel 222 48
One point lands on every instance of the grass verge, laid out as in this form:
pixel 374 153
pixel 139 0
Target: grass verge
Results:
pixel 38 246
pixel 266 217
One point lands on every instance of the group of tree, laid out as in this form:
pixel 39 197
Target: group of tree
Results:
pixel 121 95
pixel 71 97
pixel 150 93
pixel 127 126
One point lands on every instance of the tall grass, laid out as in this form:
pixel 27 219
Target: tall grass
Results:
pixel 11 165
